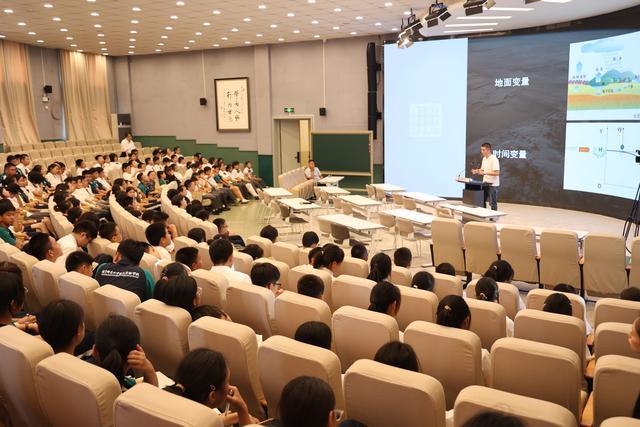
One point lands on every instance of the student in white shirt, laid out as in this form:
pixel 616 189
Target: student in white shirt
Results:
pixel 54 175
pixel 127 173
pixel 490 172
pixel 81 166
pixel 100 161
pixel 127 145
pixel 83 191
pixel 221 253
pixel 487 290
pixel 158 237
pixel 23 166
pixel 190 258
pixel 83 233
pixel 312 172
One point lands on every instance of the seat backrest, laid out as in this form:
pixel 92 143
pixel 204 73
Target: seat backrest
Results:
pixel 251 305
pixel 163 332
pixel 183 242
pixel 518 246
pixel 148 263
pixel 97 246
pixel 615 310
pixel 110 299
pixel 536 298
pixel 303 256
pixel 359 333
pixel 353 267
pixel 281 359
pixel 475 400
pixel 616 386
pixel 446 235
pixel 400 276
pixel 351 290
pixel 297 272
pixel 416 304
pixel 146 405
pixel 25 263
pixel 559 258
pixel 604 269
pixel 88 392
pixel 214 287
pixel 263 242
pixel 538 370
pixel 452 356
pixel 377 395
pixel 112 248
pixel 387 220
pixel 508 293
pixel 282 267
pixel 79 288
pixel 20 353
pixel 620 422
pixel 551 328
pixel 488 321
pixel 239 346
pixel 444 285
pixel 292 310
pixel 286 252
pixel 6 250
pixel 45 280
pixel 481 243
pixel 241 262
pixel 613 338
pixel 634 274
pixel 203 250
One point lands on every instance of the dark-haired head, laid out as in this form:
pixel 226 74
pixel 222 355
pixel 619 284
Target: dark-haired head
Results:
pixel 12 291
pixel 632 293
pixel 266 275
pixel 487 290
pixel 402 257
pixel 398 354
pixel 360 251
pixel 380 267
pixel 131 250
pixel 330 257
pixel 563 287
pixel 558 303
pixel 172 270
pixel 209 310
pixel 115 338
pixel 311 285
pixel 190 257
pixel 221 252
pixel 306 402
pixel 310 239
pixel 253 250
pixel 61 325
pixel 314 333
pixel 423 280
pixel 269 232
pixel 454 312
pixel 197 234
pixel 500 271
pixel 446 268
pixel 178 291
pixel 493 419
pixel 385 298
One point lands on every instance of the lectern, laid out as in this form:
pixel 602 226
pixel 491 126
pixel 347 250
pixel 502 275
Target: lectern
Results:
pixel 473 193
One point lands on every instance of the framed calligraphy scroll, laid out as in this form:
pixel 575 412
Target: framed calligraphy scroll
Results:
pixel 232 105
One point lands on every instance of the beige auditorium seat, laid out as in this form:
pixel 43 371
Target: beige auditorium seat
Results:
pixel 297 272
pixel 25 263
pixel 488 321
pixel 400 276
pixel 518 247
pixel 359 333
pixel 203 250
pixel 20 353
pixel 98 246
pixel 444 285
pixel 6 250
pixel 634 273
pixel 448 244
pixel 241 262
pixel 286 252
pixel 292 310
pixel 183 242
pixel 542 371
pixel 148 263
pixel 452 356
pixel 416 304
pixel 481 244
pixel 79 288
pixel 253 306
pixel 159 266
pixel 163 332
pixel 475 400
pixel 214 287
pixel 604 269
pixel 282 267
pixel 110 299
pixel 303 256
pixel 613 338
pixel 616 386
pixel 45 280
pixel 352 291
pixel 239 346
pixel 536 298
pixel 263 242
pixel 508 293
pixel 551 328
pixel 73 392
pixel 146 405
pixel 621 422
pixel 615 310
pixel 379 395
pixel 112 248
pixel 353 267
pixel 281 359
pixel 559 258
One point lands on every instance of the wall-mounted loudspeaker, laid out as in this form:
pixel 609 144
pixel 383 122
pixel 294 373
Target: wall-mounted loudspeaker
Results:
pixel 323 111
pixel 203 101
pixel 48 89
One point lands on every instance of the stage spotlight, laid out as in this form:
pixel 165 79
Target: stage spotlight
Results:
pixel 530 1
pixel 438 10
pixel 475 7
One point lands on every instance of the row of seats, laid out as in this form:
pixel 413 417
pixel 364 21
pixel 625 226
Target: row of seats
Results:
pixel 296 182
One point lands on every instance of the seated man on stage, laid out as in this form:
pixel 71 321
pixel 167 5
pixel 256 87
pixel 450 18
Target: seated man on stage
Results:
pixel 312 172
pixel 490 171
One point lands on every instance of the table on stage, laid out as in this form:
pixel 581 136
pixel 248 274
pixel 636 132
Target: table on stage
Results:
pixel 473 212
pixel 277 192
pixel 417 218
pixel 298 204
pixel 331 180
pixel 388 188
pixel 357 225
pixel 361 202
pixel 335 191
pixel 423 198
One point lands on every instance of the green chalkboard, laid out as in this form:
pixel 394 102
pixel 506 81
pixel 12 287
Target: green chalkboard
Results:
pixel 348 152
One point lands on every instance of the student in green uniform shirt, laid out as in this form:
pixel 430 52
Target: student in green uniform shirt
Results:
pixel 7 219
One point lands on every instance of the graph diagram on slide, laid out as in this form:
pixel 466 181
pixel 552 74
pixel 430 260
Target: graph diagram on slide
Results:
pixel 600 158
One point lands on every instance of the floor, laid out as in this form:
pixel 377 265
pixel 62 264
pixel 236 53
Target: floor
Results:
pixel 245 220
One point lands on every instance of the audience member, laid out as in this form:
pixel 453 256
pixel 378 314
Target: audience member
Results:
pixel 398 354
pixel 314 333
pixel 385 298
pixel 179 291
pixel 80 262
pixel 402 257
pixel 253 250
pixel 446 268
pixel 221 253
pixel 311 286
pixel 487 290
pixel 360 251
pixel 197 234
pixel 209 310
pixel 423 280
pixel 493 419
pixel 266 275
pixel 380 268
pixel 632 293
pixel 125 271
pixel 310 239
pixel 329 258
pixel 61 325
pixel 190 258
pixel 308 402
pixel 12 296
pixel 558 303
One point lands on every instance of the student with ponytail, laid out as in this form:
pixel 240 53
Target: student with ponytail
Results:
pixel 385 298
pixel 380 267
pixel 117 349
pixel 203 376
pixel 329 258
pixel 501 271
pixel 487 290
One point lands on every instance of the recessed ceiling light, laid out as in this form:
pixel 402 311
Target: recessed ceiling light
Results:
pixel 224 38
pixel 134 21
pixel 80 50
pixel 103 48
pixel 280 39
pixel 31 33
pixel 105 54
pixel 168 28
pixel 3 36
pixel 407 12
pixel 160 44
pixel 377 24
pixel 158 50
pixel 192 41
pixel 69 38
pixel 247 42
pixel 216 45
pixel 311 1
pixel 37 41
pixel 97 26
pixel 259 35
pixel 388 4
pixel 353 33
pixel 102 42
pixel 132 47
pixel 206 24
pixel 131 52
pixel 296 31
pixel 234 30
pixel 132 40
pixel 359 18
pixel 316 36
pixel 8 11
pixel 164 37
pixel 291 14
pixel 133 32
pixel 136 9
pixel 179 3
pixel 64 30
pixel 100 35
pixel 186 48
pixel 247 19
pixel 198 33
pixel 262 6
pixel 48 5
pixel 274 25
pixel 57 19
pixel 314 22
pixel 94 14
pixel 73 45
pixel 337 9
pixel 91 1
pixel 174 17
pixel 22 24
pixel 336 28
pixel 216 12
pixel 394 29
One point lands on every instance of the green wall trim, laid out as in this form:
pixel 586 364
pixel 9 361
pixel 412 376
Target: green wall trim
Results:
pixel 189 147
pixel 265 166
pixel 378 173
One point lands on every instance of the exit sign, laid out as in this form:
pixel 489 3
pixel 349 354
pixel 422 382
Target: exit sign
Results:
pixel 289 110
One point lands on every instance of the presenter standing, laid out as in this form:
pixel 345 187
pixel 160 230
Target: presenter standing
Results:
pixel 490 171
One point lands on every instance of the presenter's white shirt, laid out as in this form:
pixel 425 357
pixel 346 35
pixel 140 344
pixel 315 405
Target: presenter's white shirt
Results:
pixel 127 146
pixel 316 174
pixel 490 164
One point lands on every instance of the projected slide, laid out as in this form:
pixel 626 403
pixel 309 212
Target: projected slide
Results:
pixel 425 105
pixel 604 79
pixel 600 158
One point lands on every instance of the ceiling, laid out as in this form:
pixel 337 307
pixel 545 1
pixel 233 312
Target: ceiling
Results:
pixel 134 27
